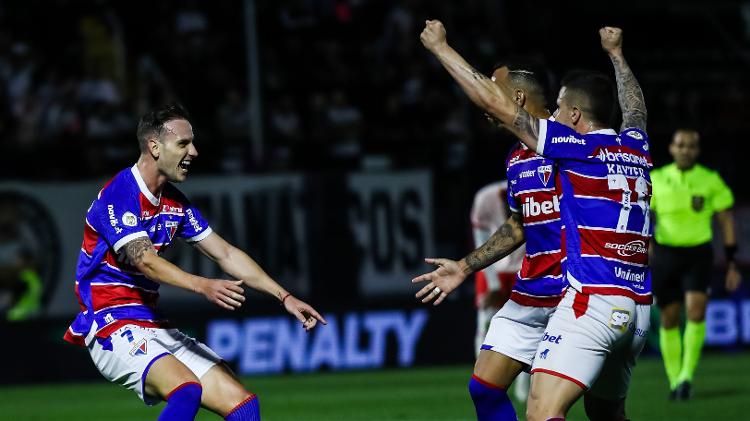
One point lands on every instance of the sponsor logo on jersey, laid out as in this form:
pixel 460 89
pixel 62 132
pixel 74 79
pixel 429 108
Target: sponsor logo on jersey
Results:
pixel 635 135
pixel 619 319
pixel 569 139
pixel 526 174
pixel 605 155
pixel 555 339
pixel 128 219
pixel 194 222
pixel 543 354
pixel 113 218
pixel 629 275
pixel 629 249
pixel 531 207
pixel 544 172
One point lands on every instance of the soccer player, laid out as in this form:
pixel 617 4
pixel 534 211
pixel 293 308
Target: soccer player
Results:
pixel 601 322
pixel 493 284
pixel 134 218
pixel 686 197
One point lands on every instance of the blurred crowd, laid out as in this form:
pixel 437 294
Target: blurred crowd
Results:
pixel 345 83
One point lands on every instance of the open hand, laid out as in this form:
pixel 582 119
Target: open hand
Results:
pixel 303 312
pixel 611 38
pixel 433 35
pixel 224 293
pixel 442 281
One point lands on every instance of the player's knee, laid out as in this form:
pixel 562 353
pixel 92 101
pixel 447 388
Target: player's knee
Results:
pixel 598 409
pixel 185 398
pixel 482 391
pixel 696 314
pixel 248 409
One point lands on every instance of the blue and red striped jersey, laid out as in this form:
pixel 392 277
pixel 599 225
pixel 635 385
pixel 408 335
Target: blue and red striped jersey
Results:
pixel 532 191
pixel 109 290
pixel 606 191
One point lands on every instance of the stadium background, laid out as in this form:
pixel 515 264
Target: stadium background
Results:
pixel 339 153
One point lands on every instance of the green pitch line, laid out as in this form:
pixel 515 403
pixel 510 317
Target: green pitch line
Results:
pixel 722 385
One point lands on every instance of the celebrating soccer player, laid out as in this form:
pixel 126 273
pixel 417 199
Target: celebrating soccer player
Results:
pixel 604 210
pixel 134 218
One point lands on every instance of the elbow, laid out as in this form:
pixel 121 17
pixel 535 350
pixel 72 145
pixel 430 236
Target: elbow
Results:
pixel 149 265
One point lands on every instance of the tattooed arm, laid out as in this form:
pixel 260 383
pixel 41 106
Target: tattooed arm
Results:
pixel 141 254
pixel 629 91
pixel 450 274
pixel 479 88
pixel 503 242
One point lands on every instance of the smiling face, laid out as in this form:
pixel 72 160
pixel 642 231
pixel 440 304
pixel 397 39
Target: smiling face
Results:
pixel 173 150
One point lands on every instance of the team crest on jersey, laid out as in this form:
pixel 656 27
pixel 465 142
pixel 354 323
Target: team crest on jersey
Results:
pixel 140 348
pixel 544 172
pixel 171 228
pixel 129 220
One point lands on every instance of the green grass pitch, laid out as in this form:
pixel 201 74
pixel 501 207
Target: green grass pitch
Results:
pixel 722 387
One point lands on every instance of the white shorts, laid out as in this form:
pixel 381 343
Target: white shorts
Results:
pixel 516 329
pixel 594 343
pixel 132 349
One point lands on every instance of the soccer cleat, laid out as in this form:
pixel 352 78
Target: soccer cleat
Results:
pixel 684 391
pixel 673 395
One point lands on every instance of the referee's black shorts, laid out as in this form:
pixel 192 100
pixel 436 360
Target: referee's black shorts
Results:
pixel 675 270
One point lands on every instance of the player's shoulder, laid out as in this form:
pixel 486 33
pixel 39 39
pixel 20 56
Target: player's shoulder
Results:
pixel 120 187
pixel 517 155
pixel 490 191
pixel 173 193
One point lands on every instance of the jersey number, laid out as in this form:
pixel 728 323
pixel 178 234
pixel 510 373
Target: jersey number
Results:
pixel 620 182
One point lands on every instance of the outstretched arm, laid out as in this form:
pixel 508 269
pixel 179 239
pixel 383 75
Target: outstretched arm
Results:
pixel 629 92
pixel 450 274
pixel 141 254
pixel 238 264
pixel 479 88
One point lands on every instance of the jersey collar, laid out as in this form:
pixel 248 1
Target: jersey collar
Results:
pixel 142 185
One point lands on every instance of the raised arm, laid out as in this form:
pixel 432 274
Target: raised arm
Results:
pixel 238 264
pixel 629 92
pixel 479 88
pixel 450 274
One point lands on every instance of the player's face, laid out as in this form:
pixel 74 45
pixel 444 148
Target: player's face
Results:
pixel 176 150
pixel 685 149
pixel 564 114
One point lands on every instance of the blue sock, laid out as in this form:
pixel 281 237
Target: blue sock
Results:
pixel 247 410
pixel 490 401
pixel 182 403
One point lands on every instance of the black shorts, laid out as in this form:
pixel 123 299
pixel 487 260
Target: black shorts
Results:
pixel 675 270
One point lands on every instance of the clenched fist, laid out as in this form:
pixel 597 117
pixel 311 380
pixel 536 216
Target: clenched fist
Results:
pixel 433 35
pixel 611 38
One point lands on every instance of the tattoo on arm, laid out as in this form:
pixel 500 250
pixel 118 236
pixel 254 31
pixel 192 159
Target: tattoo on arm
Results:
pixel 525 125
pixel 506 239
pixel 135 250
pixel 630 95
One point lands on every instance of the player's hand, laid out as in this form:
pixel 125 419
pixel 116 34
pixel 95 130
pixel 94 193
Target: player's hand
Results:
pixel 223 293
pixel 734 278
pixel 611 38
pixel 433 35
pixel 303 312
pixel 441 282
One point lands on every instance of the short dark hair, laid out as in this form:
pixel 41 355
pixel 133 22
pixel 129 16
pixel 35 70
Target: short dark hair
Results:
pixel 594 92
pixel 152 123
pixel 528 73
